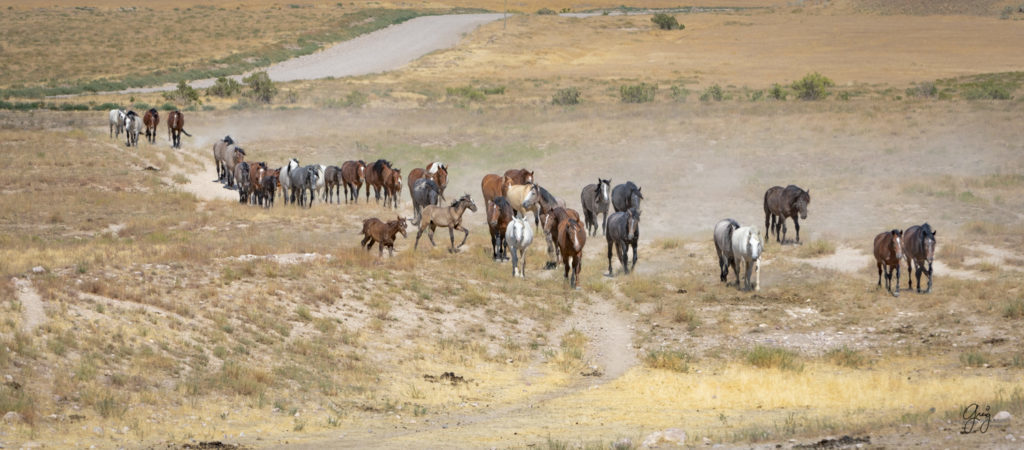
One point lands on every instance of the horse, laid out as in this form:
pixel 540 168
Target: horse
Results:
pixel 519 176
pixel 623 230
pixel 723 246
pixel 595 199
pixel 243 181
pixel 376 175
pixel 303 179
pixel 572 236
pixel 519 236
pixel 332 183
pixel 220 156
pixel 424 192
pixel 547 201
pixel 626 195
pixel 116 117
pixel 780 203
pixel 374 230
pixel 132 127
pixel 151 119
pixel 436 171
pixel 494 185
pixel 175 127
pixel 549 223
pixel 746 251
pixel 286 179
pixel 318 185
pixel 352 178
pixel 919 247
pixel 888 253
pixel 499 214
pixel 393 187
pixel 234 155
pixel 450 217
pixel 268 186
pixel 257 171
pixel 524 197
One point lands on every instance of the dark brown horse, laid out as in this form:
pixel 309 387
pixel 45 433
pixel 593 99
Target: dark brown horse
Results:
pixel 352 179
pixel 919 248
pixel 376 175
pixel 151 120
pixel 494 185
pixel 572 236
pixel 780 203
pixel 550 222
pixel 499 214
pixel 888 254
pixel 520 176
pixel 393 187
pixel 268 188
pixel 374 230
pixel 257 171
pixel 176 126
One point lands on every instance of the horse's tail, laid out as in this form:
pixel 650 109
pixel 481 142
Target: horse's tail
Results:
pixel 186 132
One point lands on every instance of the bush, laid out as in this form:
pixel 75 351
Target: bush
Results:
pixel 468 92
pixel 765 357
pixel 168 107
pixel 638 93
pixel 261 87
pixel 777 92
pixel 923 90
pixel 567 96
pixel 666 22
pixel 1014 309
pixel 680 93
pixel 546 12
pixel 987 90
pixel 712 93
pixel 225 87
pixel 674 360
pixel 813 86
pixel 183 94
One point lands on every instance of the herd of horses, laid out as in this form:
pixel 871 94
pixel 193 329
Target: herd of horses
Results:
pixel 129 123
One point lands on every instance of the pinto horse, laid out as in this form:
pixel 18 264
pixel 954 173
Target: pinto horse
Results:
pixel 374 230
pixel 780 203
pixel 494 185
pixel 353 175
pixel 888 253
pixel 175 127
pixel 919 248
pixel 572 236
pixel 436 171
pixel 151 120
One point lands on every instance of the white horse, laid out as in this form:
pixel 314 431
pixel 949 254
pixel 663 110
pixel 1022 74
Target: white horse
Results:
pixel 518 236
pixel 746 251
pixel 286 178
pixel 321 178
pixel 116 122
pixel 132 128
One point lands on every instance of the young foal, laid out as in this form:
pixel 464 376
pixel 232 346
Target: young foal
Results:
pixel 888 253
pixel 449 217
pixel 519 236
pixel 919 247
pixel 374 230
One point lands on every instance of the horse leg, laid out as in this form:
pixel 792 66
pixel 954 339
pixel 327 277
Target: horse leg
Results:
pixel 430 234
pixel 634 254
pixel 576 263
pixel 610 273
pixel 784 229
pixel 767 222
pixel 879 264
pixel 723 268
pixel 796 224
pixel 896 292
pixel 515 261
pixel 623 250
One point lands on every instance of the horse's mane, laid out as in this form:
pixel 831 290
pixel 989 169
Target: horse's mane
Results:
pixel 153 110
pixel 227 139
pixel 378 166
pixel 926 229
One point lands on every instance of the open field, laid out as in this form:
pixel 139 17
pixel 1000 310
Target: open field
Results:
pixel 169 314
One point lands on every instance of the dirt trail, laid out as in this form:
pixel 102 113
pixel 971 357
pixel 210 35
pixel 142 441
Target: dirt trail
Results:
pixel 33 313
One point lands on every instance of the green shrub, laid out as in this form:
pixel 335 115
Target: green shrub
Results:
pixel 168 107
pixel 467 92
pixel 712 93
pixel 567 96
pixel 1014 309
pixel 638 93
pixel 261 87
pixel 973 359
pixel 680 93
pixel 765 357
pixel 225 87
pixel 546 12
pixel 777 92
pixel 666 22
pixel 846 357
pixel 923 90
pixel 813 86
pixel 356 99
pixel 987 90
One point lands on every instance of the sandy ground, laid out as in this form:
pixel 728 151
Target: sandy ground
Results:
pixel 32 305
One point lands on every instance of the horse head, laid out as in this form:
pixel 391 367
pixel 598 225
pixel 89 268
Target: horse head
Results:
pixel 468 201
pixel 801 203
pixel 604 188
pixel 633 223
pixel 493 213
pixel 896 243
pixel 527 176
pixel 402 226
pixel 754 244
pixel 532 196
pixel 928 239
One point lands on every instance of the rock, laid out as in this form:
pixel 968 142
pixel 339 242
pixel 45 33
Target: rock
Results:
pixel 98 430
pixel 13 417
pixel 38 269
pixel 671 436
pixel 1002 418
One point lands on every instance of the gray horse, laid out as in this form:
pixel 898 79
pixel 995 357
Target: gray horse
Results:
pixel 595 199
pixel 243 182
pixel 622 231
pixel 723 246
pixel 625 196
pixel 424 192
pixel 220 158
pixel 919 248
pixel 303 179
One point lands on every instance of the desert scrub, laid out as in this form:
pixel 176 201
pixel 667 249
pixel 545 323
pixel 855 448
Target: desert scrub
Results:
pixel 1014 309
pixel 766 357
pixel 974 359
pixel 714 93
pixel 225 87
pixel 638 93
pixel 666 22
pixel 818 247
pixel 261 87
pixel 674 360
pixel 846 357
pixel 566 96
pixel 569 357
pixel 813 86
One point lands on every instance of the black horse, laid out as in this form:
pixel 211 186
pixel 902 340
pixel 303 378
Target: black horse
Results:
pixel 919 248
pixel 623 231
pixel 780 203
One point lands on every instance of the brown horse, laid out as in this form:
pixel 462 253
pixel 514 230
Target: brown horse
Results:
pixel 780 203
pixel 435 171
pixel 520 176
pixel 572 236
pixel 257 171
pixel 888 253
pixel 268 188
pixel 499 214
pixel 494 185
pixel 392 187
pixel 374 230
pixel 176 126
pixel 151 120
pixel 449 217
pixel 919 248
pixel 549 222
pixel 352 179
pixel 332 183
pixel 376 174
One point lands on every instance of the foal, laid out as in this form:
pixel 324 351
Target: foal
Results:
pixel 384 233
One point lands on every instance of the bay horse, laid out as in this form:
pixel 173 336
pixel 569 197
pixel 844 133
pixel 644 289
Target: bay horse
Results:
pixel 919 248
pixel 132 127
pixel 374 230
pixel 220 156
pixel 519 236
pixel 353 175
pixel 499 214
pixel 393 187
pixel 116 117
pixel 780 203
pixel 623 232
pixel 746 250
pixel 449 217
pixel 595 199
pixel 332 183
pixel 494 185
pixel 151 119
pixel 549 224
pixel 519 176
pixel 572 236
pixel 175 127
pixel 888 253
pixel 626 195
pixel 257 170
pixel 424 192
pixel 376 175
pixel 723 246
